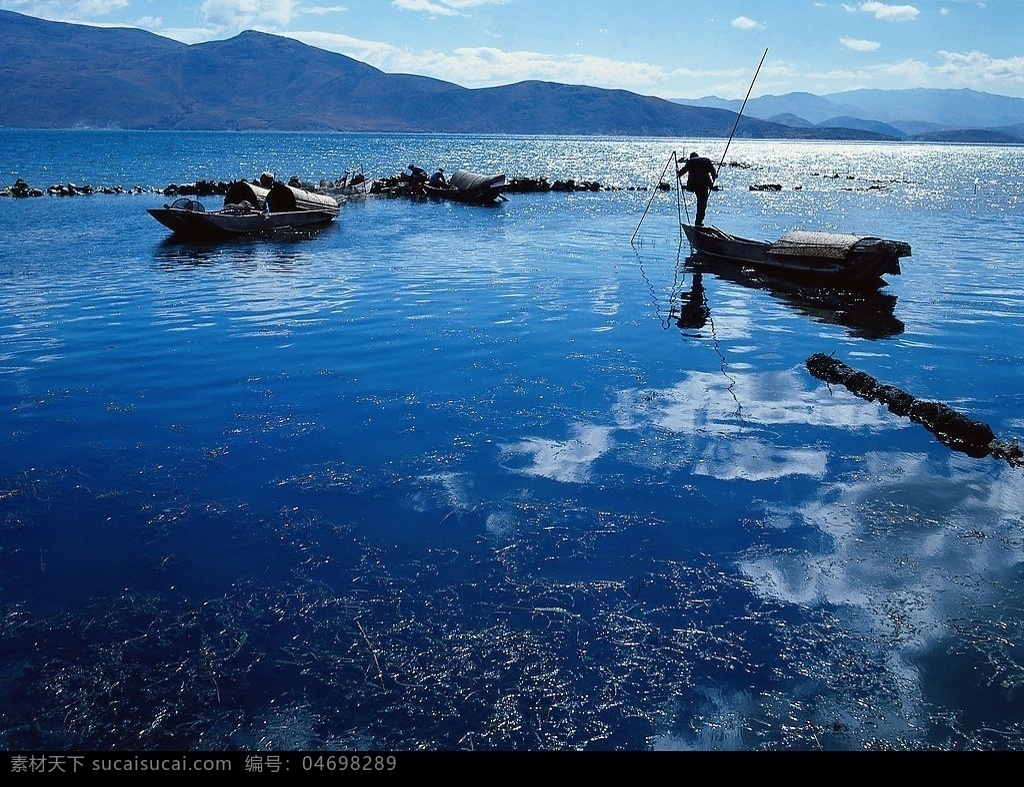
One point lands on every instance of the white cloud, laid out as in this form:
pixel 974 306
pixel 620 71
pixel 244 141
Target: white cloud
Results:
pixel 242 14
pixel 859 45
pixel 976 69
pixel 189 35
pixel 489 66
pixel 434 9
pixel 705 402
pixel 758 460
pixel 973 70
pixel 442 7
pixel 885 12
pixel 746 23
pixel 568 461
pixel 374 53
pixel 472 3
pixel 321 10
pixel 66 9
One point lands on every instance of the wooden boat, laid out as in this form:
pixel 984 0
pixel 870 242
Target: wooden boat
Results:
pixel 471 187
pixel 354 183
pixel 248 209
pixel 822 256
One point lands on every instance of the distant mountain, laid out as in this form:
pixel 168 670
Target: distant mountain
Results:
pixel 788 119
pixel 915 114
pixel 859 123
pixel 57 75
pixel 956 108
pixel 807 106
pixel 1017 129
pixel 976 135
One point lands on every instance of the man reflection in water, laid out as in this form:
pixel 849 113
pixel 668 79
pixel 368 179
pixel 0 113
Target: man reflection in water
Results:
pixel 694 312
pixel 700 177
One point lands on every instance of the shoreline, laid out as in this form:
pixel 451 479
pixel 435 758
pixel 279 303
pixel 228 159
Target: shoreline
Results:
pixel 393 186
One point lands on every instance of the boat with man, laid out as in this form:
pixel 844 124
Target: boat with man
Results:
pixel 470 187
pixel 836 257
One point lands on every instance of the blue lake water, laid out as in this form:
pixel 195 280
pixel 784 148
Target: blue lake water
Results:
pixel 447 477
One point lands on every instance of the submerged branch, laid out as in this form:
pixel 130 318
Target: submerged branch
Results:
pixel 953 429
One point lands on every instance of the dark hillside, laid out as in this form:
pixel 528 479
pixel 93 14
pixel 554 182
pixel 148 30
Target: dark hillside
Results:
pixel 55 75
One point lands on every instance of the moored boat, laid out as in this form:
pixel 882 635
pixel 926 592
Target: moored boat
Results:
pixel 354 183
pixel 471 187
pixel 822 256
pixel 248 209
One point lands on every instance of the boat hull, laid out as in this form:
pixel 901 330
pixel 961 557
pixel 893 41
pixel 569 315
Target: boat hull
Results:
pixel 220 224
pixel 828 257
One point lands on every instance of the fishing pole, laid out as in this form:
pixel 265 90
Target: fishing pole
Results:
pixel 672 157
pixel 680 199
pixel 654 193
pixel 742 106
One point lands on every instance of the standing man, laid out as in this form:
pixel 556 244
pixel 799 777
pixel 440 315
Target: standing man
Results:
pixel 700 177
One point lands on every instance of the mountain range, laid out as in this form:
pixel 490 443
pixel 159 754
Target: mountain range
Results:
pixel 919 114
pixel 59 75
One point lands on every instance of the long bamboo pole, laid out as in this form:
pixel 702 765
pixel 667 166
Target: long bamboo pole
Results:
pixel 672 156
pixel 654 193
pixel 742 107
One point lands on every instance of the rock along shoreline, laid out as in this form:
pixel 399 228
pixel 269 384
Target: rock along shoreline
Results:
pixel 394 186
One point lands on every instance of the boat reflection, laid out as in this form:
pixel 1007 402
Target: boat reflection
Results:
pixel 282 246
pixel 867 313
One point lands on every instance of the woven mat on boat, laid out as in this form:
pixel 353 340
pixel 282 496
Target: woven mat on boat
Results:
pixel 815 244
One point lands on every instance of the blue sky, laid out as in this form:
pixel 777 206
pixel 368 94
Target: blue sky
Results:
pixel 667 48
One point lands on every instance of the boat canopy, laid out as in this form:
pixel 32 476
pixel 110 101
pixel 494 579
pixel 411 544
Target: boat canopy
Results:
pixel 465 180
pixel 283 198
pixel 243 191
pixel 830 245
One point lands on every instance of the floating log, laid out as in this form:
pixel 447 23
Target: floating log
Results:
pixel 953 429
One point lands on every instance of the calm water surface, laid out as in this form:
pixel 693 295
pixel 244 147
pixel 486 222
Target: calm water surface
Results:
pixel 445 477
